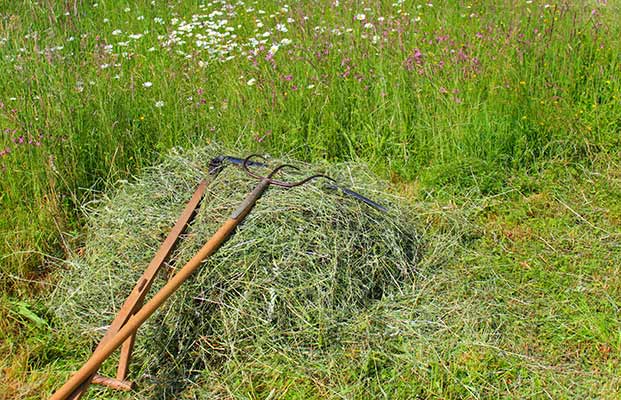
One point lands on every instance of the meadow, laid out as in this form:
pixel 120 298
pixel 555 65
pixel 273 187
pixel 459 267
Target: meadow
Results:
pixel 500 120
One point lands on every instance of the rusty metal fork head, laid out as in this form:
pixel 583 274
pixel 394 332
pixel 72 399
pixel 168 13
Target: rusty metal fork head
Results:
pixel 275 182
pixel 270 181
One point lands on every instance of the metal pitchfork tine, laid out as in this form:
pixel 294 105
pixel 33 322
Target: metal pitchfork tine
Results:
pixel 83 376
pixel 247 161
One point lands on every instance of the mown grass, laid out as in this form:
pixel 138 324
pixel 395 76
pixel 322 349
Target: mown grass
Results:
pixel 514 103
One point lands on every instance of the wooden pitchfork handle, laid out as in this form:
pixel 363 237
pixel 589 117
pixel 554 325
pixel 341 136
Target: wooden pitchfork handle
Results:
pixel 134 322
pixel 136 297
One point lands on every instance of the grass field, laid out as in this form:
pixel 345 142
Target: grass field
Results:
pixel 498 120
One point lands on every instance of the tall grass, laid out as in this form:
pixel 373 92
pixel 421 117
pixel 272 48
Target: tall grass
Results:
pixel 435 93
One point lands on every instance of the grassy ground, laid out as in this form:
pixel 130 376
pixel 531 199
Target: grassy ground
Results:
pixel 499 118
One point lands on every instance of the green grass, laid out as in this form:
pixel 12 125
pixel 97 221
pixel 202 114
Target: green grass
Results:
pixel 508 119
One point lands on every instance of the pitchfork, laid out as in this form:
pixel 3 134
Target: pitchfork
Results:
pixel 79 381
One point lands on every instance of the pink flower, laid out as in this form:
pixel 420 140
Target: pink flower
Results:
pixel 416 58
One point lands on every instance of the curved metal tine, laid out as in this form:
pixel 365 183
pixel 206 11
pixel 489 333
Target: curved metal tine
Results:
pixel 302 182
pixel 245 166
pixel 269 176
pixel 276 170
pixel 358 196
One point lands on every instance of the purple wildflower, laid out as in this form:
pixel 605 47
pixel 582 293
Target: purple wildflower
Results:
pixel 414 59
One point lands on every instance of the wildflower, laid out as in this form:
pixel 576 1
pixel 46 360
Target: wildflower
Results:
pixel 273 49
pixel 147 84
pixel 116 32
pixel 311 86
pixel 416 58
pixel 360 17
pixel 368 25
pixel 285 42
pixel 251 82
pixel 159 104
pixel 281 28
pixel 136 36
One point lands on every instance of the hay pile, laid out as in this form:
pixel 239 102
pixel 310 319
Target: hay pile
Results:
pixel 304 263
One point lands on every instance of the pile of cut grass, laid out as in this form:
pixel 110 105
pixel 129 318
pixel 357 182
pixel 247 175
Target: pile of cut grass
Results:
pixel 291 280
